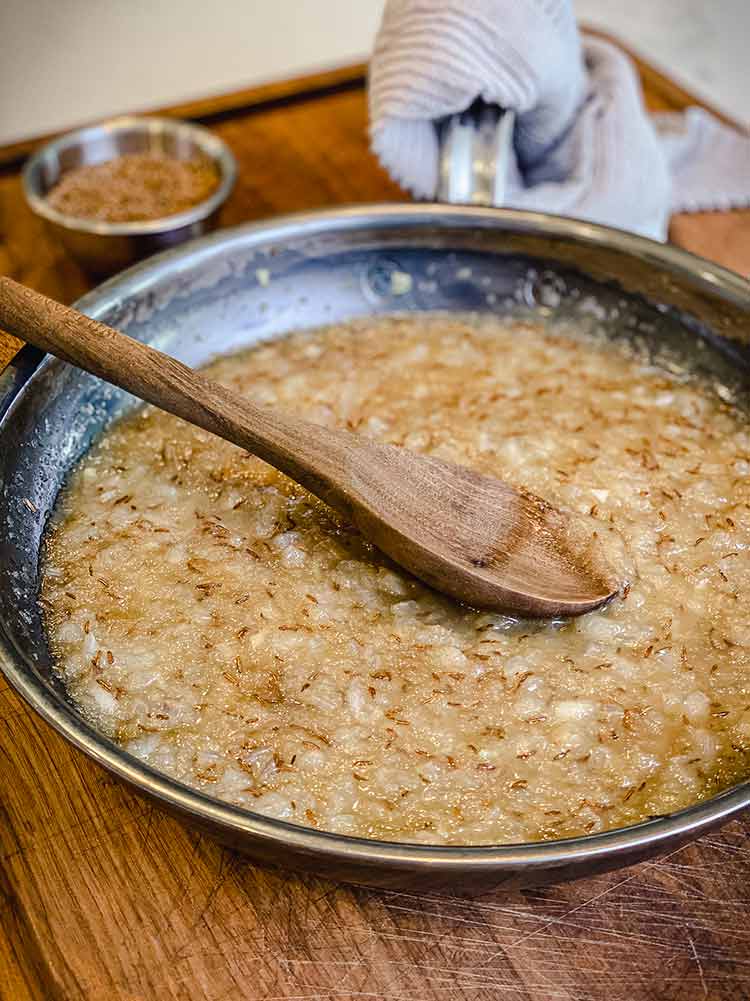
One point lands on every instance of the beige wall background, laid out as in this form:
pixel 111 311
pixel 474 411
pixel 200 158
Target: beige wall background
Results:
pixel 64 62
pixel 68 61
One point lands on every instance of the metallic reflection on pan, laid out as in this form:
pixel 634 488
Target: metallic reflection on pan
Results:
pixel 236 287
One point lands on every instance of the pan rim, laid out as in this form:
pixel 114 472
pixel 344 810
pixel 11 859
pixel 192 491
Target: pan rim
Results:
pixel 642 837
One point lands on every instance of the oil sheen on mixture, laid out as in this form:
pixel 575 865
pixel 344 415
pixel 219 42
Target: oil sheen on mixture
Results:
pixel 225 627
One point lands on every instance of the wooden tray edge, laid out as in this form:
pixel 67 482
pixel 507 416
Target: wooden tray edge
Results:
pixel 205 109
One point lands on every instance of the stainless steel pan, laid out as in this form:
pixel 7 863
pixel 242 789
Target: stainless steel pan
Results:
pixel 214 296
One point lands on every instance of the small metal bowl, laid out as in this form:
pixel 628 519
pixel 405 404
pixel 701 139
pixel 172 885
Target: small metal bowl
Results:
pixel 105 247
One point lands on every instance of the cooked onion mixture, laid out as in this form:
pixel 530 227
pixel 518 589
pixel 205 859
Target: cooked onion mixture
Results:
pixel 225 627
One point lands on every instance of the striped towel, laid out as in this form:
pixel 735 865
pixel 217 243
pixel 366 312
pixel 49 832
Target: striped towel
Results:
pixel 584 145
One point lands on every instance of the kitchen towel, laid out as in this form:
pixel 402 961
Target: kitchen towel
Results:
pixel 584 145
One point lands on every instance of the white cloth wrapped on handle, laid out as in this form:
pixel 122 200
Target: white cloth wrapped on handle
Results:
pixel 584 145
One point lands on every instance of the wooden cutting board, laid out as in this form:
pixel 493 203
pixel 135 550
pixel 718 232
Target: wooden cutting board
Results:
pixel 104 897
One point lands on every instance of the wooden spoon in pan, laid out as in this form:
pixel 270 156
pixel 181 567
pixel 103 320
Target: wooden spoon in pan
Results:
pixel 476 538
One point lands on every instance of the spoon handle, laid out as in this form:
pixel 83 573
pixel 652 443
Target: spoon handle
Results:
pixel 314 456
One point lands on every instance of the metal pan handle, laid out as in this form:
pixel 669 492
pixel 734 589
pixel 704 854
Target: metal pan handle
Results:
pixel 474 152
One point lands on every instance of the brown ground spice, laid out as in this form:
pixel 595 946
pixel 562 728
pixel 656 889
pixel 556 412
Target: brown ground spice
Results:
pixel 134 187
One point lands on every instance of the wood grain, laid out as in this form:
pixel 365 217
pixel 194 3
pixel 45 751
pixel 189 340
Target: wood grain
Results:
pixel 103 897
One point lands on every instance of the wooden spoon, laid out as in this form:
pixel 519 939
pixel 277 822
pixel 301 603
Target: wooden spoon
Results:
pixel 471 536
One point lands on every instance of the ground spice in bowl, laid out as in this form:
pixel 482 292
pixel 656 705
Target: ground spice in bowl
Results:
pixel 133 187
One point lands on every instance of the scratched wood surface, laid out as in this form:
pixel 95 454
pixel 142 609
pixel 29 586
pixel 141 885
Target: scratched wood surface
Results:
pixel 103 896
